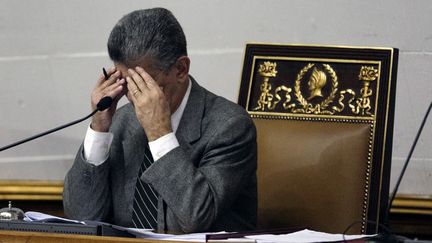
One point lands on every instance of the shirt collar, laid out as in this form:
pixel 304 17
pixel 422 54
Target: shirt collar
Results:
pixel 177 115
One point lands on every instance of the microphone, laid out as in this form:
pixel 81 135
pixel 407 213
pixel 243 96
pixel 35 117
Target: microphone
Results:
pixel 103 104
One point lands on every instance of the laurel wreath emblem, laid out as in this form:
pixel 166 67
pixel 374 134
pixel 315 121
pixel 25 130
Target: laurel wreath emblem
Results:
pixel 318 108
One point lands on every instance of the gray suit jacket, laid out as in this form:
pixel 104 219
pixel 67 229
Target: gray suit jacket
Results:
pixel 208 183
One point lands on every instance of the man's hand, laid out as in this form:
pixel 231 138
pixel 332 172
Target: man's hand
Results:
pixel 112 87
pixel 151 106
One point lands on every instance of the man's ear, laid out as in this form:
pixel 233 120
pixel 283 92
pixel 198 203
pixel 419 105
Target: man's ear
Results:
pixel 182 65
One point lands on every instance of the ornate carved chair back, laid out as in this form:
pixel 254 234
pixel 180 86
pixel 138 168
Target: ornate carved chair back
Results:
pixel 324 116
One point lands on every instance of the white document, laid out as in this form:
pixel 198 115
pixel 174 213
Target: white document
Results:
pixel 31 216
pixel 148 234
pixel 195 237
pixel 305 236
pixel 143 233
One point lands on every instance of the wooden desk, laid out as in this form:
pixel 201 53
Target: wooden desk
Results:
pixel 36 237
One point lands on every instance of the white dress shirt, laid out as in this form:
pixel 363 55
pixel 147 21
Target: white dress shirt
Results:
pixel 97 144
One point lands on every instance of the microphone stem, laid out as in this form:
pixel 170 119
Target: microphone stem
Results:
pixel 408 158
pixel 47 132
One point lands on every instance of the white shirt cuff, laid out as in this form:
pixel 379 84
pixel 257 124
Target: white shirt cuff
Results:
pixel 163 145
pixel 97 146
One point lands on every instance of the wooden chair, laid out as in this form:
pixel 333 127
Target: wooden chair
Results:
pixel 324 118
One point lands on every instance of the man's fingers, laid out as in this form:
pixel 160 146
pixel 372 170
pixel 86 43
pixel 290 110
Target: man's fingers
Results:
pixel 147 78
pixel 132 89
pixel 138 80
pixel 102 78
pixel 103 84
pixel 111 70
pixel 109 73
pixel 111 80
pixel 114 91
pixel 122 83
pixel 131 85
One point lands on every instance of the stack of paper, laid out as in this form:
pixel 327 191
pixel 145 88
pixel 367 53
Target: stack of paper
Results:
pixel 305 236
pixel 300 236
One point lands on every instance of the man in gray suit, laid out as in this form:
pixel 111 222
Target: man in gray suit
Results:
pixel 202 176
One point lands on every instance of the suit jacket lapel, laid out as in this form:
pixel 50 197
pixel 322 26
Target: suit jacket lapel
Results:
pixel 189 129
pixel 134 146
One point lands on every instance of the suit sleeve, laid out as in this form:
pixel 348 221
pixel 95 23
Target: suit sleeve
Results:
pixel 197 195
pixel 87 188
pixel 87 193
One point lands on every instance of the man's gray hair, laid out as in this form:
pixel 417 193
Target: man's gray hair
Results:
pixel 153 34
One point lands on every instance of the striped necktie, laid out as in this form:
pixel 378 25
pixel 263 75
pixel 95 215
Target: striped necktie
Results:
pixel 144 214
